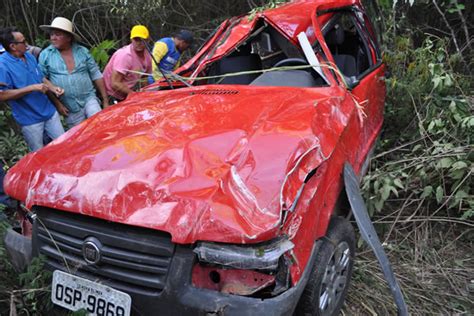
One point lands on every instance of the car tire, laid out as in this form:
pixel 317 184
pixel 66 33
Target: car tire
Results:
pixel 327 286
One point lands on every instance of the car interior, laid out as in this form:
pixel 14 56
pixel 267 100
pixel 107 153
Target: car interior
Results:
pixel 350 51
pixel 266 48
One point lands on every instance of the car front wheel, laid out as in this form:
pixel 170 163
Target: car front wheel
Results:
pixel 329 280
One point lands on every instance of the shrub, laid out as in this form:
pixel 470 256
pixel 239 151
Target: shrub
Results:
pixel 429 123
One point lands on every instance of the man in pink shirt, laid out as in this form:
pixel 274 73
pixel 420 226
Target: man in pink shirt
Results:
pixel 127 65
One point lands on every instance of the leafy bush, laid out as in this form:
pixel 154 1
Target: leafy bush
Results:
pixel 12 145
pixel 429 122
pixel 26 293
pixel 100 52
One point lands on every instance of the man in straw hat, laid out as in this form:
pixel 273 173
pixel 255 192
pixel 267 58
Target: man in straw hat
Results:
pixel 127 65
pixel 71 66
pixel 23 86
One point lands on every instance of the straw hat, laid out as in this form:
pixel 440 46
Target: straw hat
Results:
pixel 62 24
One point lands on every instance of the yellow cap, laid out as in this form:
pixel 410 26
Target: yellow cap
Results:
pixel 139 31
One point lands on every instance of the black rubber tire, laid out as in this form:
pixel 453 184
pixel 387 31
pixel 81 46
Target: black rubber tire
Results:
pixel 340 233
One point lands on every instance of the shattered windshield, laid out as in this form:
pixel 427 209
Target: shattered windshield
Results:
pixel 255 53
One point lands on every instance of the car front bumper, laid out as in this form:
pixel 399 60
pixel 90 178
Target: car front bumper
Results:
pixel 179 296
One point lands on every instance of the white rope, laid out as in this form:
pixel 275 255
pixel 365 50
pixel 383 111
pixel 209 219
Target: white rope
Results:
pixel 359 104
pixel 234 74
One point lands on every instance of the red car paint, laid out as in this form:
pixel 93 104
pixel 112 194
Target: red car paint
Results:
pixel 220 163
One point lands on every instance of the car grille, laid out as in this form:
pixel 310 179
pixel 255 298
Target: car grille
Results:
pixel 133 259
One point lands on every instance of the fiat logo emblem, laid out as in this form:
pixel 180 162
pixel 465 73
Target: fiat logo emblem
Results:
pixel 91 251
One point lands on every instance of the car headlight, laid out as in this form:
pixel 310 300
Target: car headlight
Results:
pixel 250 257
pixel 251 270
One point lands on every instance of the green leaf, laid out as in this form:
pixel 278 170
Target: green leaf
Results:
pixel 467 215
pixel 386 192
pixel 439 194
pixel 444 163
pixel 436 81
pixel 394 190
pixel 379 205
pixel 427 191
pixel 460 195
pixel 457 174
pixel 398 183
pixel 448 81
pixel 459 165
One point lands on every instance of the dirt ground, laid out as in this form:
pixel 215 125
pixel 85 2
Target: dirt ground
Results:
pixel 433 260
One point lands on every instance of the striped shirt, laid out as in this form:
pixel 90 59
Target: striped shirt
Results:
pixel 78 85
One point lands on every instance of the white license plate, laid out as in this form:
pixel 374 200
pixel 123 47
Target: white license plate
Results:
pixel 75 293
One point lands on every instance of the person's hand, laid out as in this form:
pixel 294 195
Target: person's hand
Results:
pixel 39 87
pixel 105 104
pixel 62 110
pixel 58 91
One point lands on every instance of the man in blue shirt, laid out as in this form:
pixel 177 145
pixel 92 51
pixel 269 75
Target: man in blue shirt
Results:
pixel 167 52
pixel 23 86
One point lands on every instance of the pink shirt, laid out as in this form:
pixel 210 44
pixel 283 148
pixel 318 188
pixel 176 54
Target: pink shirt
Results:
pixel 124 61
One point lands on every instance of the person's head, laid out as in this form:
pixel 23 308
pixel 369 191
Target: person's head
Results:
pixel 60 39
pixel 61 33
pixel 139 35
pixel 13 41
pixel 183 40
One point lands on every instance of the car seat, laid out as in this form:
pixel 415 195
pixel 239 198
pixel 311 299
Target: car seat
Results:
pixel 346 63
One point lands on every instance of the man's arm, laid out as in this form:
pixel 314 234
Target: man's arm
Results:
pixel 100 86
pixel 118 83
pixel 13 94
pixel 58 104
pixel 96 77
pixel 58 91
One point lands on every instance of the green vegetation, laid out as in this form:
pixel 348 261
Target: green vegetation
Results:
pixel 427 145
pixel 24 293
pixel 101 51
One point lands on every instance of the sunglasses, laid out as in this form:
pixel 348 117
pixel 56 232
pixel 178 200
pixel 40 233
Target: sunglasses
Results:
pixel 22 42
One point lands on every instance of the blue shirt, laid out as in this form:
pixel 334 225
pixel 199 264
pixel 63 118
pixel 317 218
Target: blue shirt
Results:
pixel 168 62
pixel 78 85
pixel 34 107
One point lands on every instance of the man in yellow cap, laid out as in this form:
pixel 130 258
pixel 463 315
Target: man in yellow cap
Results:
pixel 127 65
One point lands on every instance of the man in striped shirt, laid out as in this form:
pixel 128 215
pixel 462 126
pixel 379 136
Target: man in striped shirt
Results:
pixel 71 66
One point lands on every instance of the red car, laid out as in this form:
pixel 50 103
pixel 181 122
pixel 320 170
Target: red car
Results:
pixel 219 192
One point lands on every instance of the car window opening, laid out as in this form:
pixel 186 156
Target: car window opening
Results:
pixel 349 49
pixel 266 48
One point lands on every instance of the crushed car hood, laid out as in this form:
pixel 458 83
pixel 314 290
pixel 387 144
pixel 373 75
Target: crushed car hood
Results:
pixel 204 163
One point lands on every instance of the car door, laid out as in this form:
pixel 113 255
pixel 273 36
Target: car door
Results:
pixel 356 54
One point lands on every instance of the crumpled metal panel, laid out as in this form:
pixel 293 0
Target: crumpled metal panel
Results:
pixel 198 164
